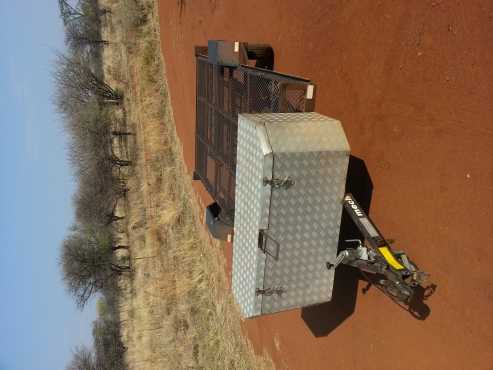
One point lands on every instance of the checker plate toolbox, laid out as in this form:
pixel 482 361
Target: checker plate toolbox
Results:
pixel 290 180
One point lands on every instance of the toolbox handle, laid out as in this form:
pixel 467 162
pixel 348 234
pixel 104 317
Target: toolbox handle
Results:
pixel 262 244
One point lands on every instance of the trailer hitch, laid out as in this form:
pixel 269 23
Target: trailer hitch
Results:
pixel 390 271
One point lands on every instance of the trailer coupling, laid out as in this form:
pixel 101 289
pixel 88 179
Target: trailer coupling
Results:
pixel 391 271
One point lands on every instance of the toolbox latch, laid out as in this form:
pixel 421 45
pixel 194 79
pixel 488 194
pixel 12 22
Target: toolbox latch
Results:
pixel 278 183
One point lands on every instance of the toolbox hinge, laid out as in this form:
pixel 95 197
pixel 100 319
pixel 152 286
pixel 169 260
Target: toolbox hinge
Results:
pixel 270 291
pixel 276 183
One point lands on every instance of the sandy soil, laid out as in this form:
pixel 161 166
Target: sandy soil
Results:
pixel 412 84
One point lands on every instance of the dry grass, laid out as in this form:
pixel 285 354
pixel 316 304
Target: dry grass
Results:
pixel 176 307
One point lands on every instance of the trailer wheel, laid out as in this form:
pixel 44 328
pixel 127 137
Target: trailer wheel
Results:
pixel 218 227
pixel 263 54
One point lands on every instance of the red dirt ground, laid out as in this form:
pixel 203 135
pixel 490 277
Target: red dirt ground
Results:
pixel 412 83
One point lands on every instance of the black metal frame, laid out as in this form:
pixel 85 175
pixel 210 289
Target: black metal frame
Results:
pixel 398 283
pixel 222 93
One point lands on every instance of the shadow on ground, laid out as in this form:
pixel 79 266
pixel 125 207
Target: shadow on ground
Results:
pixel 322 319
pixel 417 307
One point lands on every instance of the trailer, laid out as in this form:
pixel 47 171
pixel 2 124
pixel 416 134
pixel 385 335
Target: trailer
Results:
pixel 277 172
pixel 226 86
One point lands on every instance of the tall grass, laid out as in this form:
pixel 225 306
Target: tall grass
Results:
pixel 177 312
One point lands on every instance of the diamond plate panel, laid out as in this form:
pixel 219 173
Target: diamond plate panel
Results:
pixel 254 162
pixel 302 221
pixel 305 222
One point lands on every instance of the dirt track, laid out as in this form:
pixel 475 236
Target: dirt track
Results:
pixel 413 87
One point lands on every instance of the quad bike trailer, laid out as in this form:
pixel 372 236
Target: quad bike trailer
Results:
pixel 234 79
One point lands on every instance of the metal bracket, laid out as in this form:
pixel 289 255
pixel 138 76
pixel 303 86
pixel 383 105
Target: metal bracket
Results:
pixel 340 259
pixel 277 183
pixel 358 241
pixel 350 255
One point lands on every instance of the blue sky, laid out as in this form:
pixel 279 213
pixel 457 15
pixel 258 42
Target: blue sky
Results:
pixel 39 324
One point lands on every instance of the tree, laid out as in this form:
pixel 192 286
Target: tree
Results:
pixel 87 262
pixel 80 35
pixel 83 119
pixel 82 9
pixel 91 129
pixel 90 146
pixel 77 84
pixel 100 126
pixel 69 12
pixel 83 359
pixel 97 198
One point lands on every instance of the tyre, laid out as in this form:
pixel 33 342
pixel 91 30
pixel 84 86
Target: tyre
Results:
pixel 263 54
pixel 217 226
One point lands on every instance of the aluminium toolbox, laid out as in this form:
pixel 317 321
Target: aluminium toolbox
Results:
pixel 290 181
